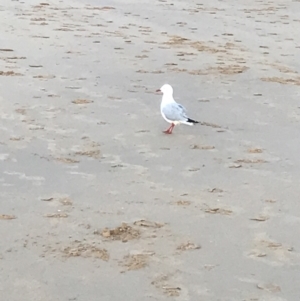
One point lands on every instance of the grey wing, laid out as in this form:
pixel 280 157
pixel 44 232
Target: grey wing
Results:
pixel 175 112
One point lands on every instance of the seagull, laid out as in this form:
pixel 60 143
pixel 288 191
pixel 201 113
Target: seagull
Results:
pixel 172 111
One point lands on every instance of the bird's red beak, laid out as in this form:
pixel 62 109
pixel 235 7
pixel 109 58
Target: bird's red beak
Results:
pixel 158 90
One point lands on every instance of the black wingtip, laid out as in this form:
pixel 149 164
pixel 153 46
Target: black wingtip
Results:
pixel 192 121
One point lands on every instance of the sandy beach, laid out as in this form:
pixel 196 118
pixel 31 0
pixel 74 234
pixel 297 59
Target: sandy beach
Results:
pixel 96 203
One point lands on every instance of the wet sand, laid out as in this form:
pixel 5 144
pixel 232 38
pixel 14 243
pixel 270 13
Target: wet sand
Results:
pixel 97 203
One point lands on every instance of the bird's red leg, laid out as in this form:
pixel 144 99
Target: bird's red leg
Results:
pixel 170 129
pixel 167 131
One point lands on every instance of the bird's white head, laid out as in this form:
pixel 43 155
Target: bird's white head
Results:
pixel 166 89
